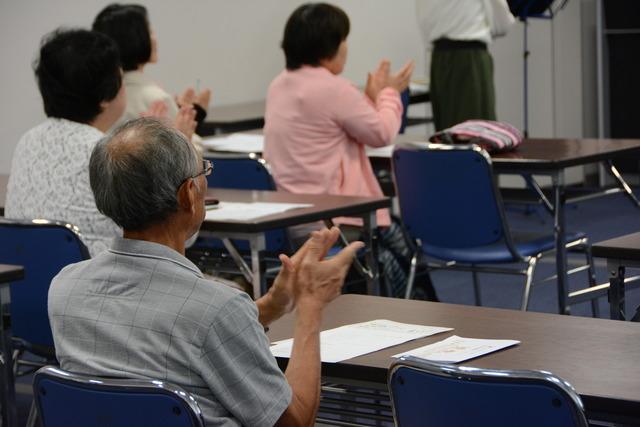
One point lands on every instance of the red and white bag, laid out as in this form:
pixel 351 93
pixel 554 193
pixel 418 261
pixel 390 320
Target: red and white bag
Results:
pixel 490 135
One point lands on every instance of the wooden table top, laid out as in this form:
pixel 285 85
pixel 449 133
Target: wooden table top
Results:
pixel 598 357
pixel 324 206
pixel 10 273
pixel 624 247
pixel 544 154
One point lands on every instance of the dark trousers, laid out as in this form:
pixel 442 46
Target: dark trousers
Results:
pixel 461 83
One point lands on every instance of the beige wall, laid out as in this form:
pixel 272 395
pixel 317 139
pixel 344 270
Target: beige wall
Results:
pixel 232 47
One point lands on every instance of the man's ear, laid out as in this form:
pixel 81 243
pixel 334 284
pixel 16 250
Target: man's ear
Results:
pixel 187 195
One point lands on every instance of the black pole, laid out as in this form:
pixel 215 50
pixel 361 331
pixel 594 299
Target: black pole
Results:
pixel 525 57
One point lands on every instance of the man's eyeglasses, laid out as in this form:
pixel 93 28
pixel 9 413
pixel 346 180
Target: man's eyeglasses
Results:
pixel 207 168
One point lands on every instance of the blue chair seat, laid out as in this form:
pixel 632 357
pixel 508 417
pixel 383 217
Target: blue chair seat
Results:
pixel 527 244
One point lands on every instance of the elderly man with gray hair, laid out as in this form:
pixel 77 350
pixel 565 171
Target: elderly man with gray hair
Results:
pixel 143 310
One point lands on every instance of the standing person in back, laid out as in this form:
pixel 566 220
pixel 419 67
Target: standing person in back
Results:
pixel 318 124
pixel 457 32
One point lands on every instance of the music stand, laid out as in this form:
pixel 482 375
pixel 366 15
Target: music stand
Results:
pixel 523 10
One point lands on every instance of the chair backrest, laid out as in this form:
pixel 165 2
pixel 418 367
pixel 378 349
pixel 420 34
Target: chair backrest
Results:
pixel 245 172
pixel 433 394
pixel 241 172
pixel 43 248
pixel 448 195
pixel 66 399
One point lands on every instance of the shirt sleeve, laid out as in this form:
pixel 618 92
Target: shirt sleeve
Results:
pixel 370 124
pixel 239 368
pixel 500 17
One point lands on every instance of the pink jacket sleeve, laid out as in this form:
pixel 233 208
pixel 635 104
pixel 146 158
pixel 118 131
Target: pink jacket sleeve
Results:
pixel 370 124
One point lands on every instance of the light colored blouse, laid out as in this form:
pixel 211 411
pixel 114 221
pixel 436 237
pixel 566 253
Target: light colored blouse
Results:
pixel 50 180
pixel 142 91
pixel 317 125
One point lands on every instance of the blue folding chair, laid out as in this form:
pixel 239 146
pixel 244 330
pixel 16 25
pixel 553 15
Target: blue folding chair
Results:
pixel 247 172
pixel 66 399
pixel 43 248
pixel 426 393
pixel 242 172
pixel 451 205
pixel 251 172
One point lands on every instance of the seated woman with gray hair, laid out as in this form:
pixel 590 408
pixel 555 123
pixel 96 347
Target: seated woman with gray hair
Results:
pixel 141 309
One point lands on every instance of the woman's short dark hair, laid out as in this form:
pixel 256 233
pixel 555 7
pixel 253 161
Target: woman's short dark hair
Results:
pixel 314 32
pixel 128 26
pixel 76 71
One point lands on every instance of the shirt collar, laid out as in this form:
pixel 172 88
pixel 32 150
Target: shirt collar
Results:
pixel 136 77
pixel 144 249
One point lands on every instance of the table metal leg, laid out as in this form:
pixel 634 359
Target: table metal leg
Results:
pixel 616 289
pixel 559 230
pixel 7 382
pixel 258 245
pixel 371 255
pixel 237 258
pixel 533 185
pixel 622 183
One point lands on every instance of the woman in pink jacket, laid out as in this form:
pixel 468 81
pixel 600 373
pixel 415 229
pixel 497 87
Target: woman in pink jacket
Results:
pixel 317 124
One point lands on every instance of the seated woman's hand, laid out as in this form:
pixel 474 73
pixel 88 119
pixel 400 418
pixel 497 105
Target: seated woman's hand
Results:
pixel 400 80
pixel 157 109
pixel 185 121
pixel 377 80
pixel 189 97
pixel 203 98
pixel 382 78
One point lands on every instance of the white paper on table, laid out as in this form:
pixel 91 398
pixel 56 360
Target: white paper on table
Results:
pixel 235 143
pixel 384 152
pixel 244 211
pixel 457 349
pixel 355 340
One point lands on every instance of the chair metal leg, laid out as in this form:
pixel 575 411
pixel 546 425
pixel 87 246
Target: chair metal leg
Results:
pixel 476 287
pixel 412 274
pixel 32 420
pixel 527 285
pixel 559 231
pixel 591 272
pixel 14 360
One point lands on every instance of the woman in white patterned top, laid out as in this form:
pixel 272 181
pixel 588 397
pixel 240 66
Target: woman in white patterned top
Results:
pixel 80 81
